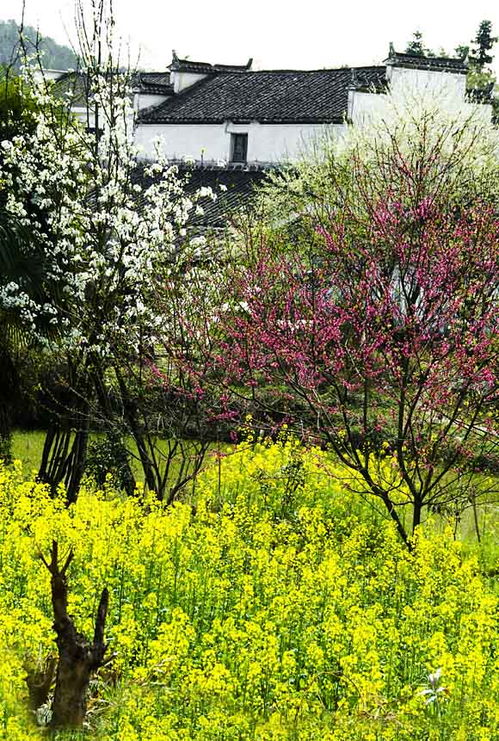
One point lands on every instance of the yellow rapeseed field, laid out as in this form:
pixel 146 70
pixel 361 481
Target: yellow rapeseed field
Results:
pixel 268 605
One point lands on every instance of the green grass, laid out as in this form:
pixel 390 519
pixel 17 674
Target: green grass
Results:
pixel 27 446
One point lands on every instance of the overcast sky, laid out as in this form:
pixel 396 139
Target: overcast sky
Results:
pixel 281 34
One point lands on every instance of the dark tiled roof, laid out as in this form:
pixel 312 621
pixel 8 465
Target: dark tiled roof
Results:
pixel 416 61
pixel 240 185
pixel 76 83
pixel 317 96
pixel 188 65
pixel 153 82
pixel 236 192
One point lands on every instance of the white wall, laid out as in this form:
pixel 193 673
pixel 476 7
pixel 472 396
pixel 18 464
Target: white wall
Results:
pixel 285 142
pixel 421 80
pixel 184 140
pixel 407 86
pixel 211 142
pixel 280 142
pixel 144 100
pixel 182 80
pixel 363 106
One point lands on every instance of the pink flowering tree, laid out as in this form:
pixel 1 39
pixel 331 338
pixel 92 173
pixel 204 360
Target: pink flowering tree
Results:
pixel 378 336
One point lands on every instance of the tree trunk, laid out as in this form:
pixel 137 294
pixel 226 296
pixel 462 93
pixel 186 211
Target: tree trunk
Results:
pixel 63 459
pixel 76 468
pixel 390 506
pixel 114 432
pixel 5 434
pixel 132 420
pixel 73 676
pixel 40 682
pixel 475 519
pixel 78 657
pixel 65 448
pixel 9 393
pixel 416 513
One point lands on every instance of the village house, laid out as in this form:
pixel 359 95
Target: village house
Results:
pixel 227 119
pixel 233 114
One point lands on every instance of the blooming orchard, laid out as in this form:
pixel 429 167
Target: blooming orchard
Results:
pixel 108 233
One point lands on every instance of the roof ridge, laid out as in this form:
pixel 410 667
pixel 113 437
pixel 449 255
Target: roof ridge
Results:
pixel 152 72
pixel 319 69
pixel 429 56
pixel 397 58
pixel 186 65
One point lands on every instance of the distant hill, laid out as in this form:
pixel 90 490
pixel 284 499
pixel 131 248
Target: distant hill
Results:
pixel 55 56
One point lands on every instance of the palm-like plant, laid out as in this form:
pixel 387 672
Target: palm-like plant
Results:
pixel 21 263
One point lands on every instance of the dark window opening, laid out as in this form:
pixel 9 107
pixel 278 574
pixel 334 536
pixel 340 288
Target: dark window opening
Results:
pixel 92 130
pixel 239 147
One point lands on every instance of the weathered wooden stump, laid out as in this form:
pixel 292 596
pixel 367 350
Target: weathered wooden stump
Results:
pixel 78 658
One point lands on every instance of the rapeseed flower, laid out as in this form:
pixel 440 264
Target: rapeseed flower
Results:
pixel 267 611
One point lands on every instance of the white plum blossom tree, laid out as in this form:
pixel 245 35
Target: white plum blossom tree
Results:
pixel 105 235
pixel 109 229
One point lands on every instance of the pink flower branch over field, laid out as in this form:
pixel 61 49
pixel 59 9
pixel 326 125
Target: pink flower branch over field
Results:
pixel 390 325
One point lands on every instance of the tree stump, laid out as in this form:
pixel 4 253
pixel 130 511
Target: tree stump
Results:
pixel 78 658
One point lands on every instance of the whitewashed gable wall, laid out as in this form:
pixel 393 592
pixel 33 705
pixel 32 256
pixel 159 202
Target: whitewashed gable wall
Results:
pixel 286 142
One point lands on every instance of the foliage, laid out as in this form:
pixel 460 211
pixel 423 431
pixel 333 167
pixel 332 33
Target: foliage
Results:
pixel 106 457
pixel 484 42
pixel 481 80
pixel 98 247
pixel 110 231
pixel 416 46
pixel 269 607
pixel 380 327
pixel 18 259
pixel 17 106
pixel 176 382
pixel 52 54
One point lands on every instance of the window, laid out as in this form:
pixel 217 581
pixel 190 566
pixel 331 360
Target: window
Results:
pixel 239 147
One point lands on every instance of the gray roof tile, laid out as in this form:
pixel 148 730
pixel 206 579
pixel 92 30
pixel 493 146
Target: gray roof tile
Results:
pixel 437 64
pixel 153 82
pixel 276 96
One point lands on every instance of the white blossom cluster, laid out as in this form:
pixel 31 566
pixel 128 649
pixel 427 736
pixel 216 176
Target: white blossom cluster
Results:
pixel 107 235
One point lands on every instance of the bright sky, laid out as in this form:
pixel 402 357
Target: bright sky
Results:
pixel 277 33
